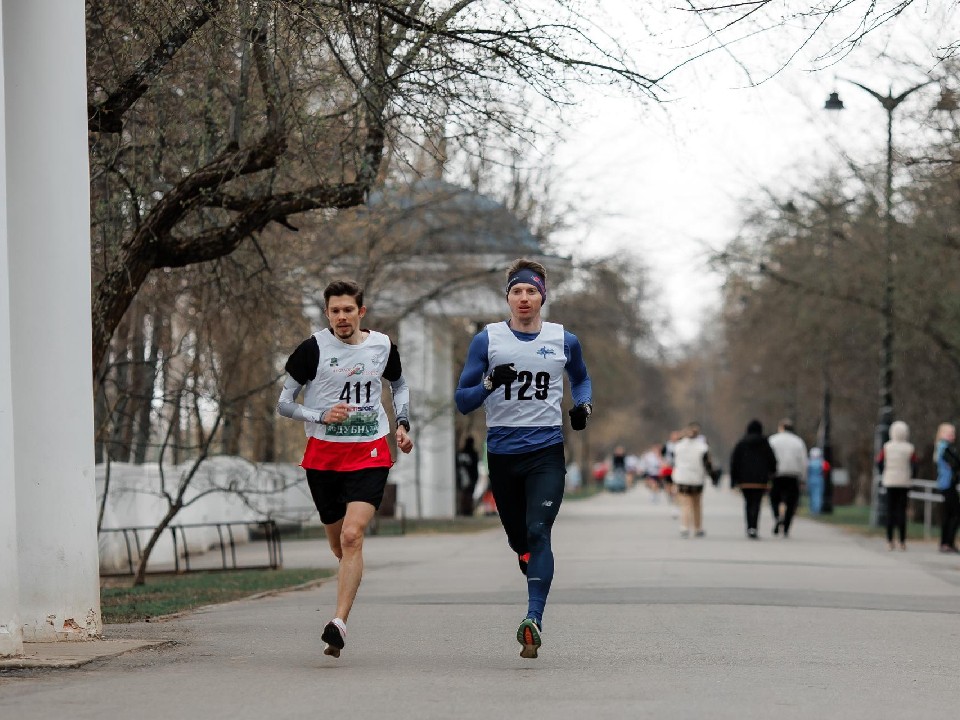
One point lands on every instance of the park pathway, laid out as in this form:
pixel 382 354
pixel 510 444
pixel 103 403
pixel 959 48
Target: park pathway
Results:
pixel 641 624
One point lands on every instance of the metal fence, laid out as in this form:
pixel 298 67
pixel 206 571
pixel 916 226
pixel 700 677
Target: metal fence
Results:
pixel 926 491
pixel 227 545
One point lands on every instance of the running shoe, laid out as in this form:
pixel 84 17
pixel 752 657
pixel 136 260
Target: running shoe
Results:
pixel 524 561
pixel 528 635
pixel 333 640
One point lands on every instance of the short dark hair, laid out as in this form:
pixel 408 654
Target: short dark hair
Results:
pixel 343 287
pixel 786 424
pixel 526 264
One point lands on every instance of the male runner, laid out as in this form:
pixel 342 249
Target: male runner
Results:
pixel 515 370
pixel 347 456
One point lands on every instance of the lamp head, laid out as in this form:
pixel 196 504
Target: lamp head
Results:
pixel 833 102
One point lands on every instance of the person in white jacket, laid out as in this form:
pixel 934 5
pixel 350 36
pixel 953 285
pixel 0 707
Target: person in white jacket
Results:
pixel 898 463
pixel 691 467
pixel 791 454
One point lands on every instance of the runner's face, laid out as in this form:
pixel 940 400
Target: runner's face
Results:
pixel 344 316
pixel 525 301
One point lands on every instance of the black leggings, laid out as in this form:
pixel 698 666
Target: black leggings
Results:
pixel 949 516
pixel 786 490
pixel 752 501
pixel 528 490
pixel 897 512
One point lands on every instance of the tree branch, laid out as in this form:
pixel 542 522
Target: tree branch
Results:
pixel 107 116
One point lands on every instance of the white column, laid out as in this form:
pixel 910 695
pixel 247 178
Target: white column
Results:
pixel 48 228
pixel 425 479
pixel 11 634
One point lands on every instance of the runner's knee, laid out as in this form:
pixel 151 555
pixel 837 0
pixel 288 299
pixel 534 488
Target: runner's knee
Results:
pixel 538 535
pixel 351 538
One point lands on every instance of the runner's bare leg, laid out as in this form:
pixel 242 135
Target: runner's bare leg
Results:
pixel 354 525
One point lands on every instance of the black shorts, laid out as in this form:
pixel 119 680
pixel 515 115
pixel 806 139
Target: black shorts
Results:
pixel 689 489
pixel 332 490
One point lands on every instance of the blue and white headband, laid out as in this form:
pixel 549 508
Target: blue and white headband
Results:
pixel 530 277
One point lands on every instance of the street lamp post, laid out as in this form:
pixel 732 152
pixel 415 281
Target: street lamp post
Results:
pixel 890 102
pixel 830 209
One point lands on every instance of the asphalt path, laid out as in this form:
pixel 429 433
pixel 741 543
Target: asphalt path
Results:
pixel 641 623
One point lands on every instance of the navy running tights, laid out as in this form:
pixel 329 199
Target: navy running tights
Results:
pixel 528 490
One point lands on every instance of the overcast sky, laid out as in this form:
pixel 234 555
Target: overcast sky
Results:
pixel 667 181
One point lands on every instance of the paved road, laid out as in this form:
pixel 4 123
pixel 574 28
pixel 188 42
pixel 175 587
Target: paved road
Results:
pixel 641 624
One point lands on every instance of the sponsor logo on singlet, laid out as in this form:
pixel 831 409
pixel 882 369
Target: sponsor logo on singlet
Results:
pixel 361 423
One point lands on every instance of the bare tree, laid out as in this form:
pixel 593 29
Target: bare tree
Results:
pixel 803 307
pixel 213 119
pixel 835 28
pixel 608 304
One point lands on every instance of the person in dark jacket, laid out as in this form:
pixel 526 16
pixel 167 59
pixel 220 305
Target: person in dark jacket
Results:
pixel 468 474
pixel 752 465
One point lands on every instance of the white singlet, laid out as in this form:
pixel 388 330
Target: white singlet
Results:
pixel 533 399
pixel 349 374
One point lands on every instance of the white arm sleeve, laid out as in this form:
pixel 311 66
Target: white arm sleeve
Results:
pixel 401 399
pixel 287 405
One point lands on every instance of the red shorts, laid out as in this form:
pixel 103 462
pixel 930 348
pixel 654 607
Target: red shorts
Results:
pixel 346 456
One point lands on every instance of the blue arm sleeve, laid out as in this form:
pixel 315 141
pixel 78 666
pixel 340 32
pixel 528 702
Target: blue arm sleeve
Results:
pixel 580 386
pixel 470 390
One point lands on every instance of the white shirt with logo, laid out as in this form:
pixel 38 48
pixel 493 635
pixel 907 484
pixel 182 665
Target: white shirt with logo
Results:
pixel 533 399
pixel 350 374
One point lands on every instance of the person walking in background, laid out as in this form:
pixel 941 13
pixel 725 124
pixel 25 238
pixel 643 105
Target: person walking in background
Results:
pixel 515 370
pixel 691 468
pixel 752 464
pixel 897 462
pixel 817 469
pixel 667 459
pixel 347 458
pixel 791 453
pixel 616 480
pixel 650 465
pixel 948 467
pixel 468 473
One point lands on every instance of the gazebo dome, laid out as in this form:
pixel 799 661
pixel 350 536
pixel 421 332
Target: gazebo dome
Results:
pixel 442 218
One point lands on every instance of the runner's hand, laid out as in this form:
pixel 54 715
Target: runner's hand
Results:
pixel 404 443
pixel 579 415
pixel 503 375
pixel 337 414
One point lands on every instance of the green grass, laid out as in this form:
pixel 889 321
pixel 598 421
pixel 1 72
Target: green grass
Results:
pixel 166 594
pixel 425 526
pixel 856 518
pixel 477 523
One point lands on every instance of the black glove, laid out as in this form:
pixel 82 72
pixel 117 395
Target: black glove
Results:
pixel 579 415
pixel 501 375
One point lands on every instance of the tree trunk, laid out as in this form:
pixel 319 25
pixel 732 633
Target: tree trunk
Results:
pixel 141 574
pixel 145 391
pixel 117 448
